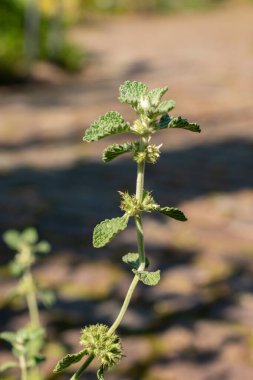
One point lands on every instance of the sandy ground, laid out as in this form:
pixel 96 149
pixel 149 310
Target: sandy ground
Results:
pixel 197 323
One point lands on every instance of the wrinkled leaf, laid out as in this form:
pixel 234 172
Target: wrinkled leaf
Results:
pixel 106 230
pixel 156 95
pixel 132 259
pixel 116 150
pixel 178 122
pixel 11 238
pixel 109 124
pixel 166 106
pixel 30 235
pixel 132 92
pixel 173 212
pixel 164 122
pixel 68 360
pixel 148 278
pixel 8 365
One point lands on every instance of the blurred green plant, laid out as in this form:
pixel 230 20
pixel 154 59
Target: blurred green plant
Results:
pixel 26 346
pixel 27 342
pixel 113 6
pixel 20 47
pixel 100 341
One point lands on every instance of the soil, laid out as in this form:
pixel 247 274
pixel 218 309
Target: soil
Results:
pixel 198 322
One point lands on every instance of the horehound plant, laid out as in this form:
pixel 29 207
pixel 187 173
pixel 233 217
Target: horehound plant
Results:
pixel 27 342
pixel 100 341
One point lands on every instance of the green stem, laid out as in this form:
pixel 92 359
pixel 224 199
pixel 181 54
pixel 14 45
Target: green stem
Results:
pixel 32 302
pixel 23 367
pixel 142 260
pixel 83 367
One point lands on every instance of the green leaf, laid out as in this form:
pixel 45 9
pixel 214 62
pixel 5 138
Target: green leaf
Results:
pixel 47 297
pixel 115 150
pixel 132 259
pixel 100 373
pixel 8 365
pixel 8 336
pixel 11 238
pixel 106 230
pixel 111 123
pixel 165 106
pixel 35 360
pixel 173 212
pixel 148 278
pixel 132 92
pixel 164 122
pixel 29 235
pixel 43 247
pixel 178 122
pixel 68 360
pixel 156 95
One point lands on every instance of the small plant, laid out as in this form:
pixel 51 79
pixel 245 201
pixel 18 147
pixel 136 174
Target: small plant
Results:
pixel 100 341
pixel 27 343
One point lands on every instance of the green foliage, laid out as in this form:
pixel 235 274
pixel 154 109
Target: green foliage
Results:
pixel 155 6
pixel 173 212
pixel 115 150
pixel 13 59
pixel 26 244
pixel 26 343
pixel 133 260
pixel 8 365
pixel 111 123
pixel 68 360
pixel 148 278
pixel 105 231
pixel 132 93
pixel 178 122
pixel 99 341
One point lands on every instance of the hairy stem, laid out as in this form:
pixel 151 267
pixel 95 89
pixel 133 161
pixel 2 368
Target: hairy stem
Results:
pixel 83 367
pixel 142 260
pixel 23 367
pixel 32 302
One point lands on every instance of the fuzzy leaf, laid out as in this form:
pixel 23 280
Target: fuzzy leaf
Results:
pixel 115 150
pixel 11 238
pixel 8 336
pixel 111 123
pixel 30 235
pixel 106 230
pixel 43 247
pixel 156 95
pixel 148 278
pixel 68 360
pixel 164 122
pixel 132 92
pixel 8 365
pixel 166 106
pixel 132 259
pixel 174 213
pixel 178 122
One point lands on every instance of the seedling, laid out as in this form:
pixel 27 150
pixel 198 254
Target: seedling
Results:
pixel 100 341
pixel 27 342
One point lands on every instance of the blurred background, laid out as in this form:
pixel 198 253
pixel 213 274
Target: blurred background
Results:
pixel 61 63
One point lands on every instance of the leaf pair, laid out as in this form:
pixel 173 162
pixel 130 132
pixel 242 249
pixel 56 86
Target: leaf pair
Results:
pixel 146 277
